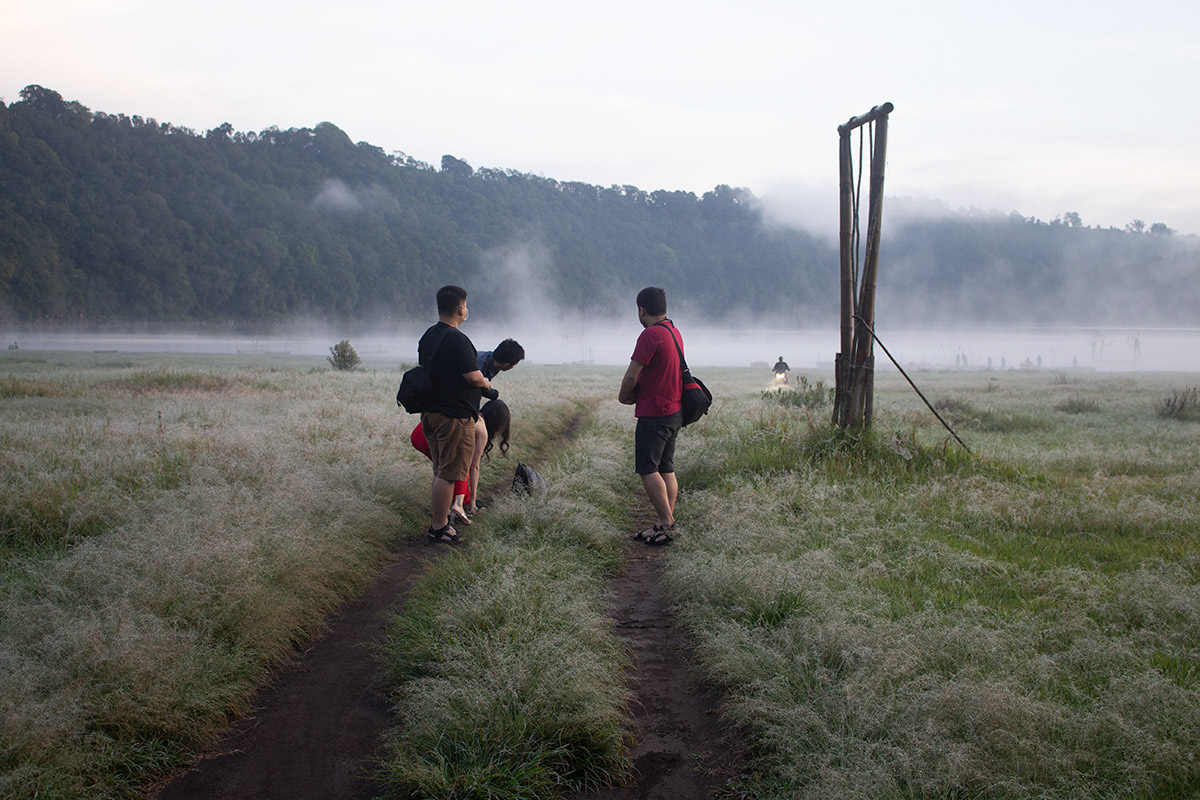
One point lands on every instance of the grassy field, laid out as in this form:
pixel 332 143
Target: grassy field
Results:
pixel 887 616
pixel 891 619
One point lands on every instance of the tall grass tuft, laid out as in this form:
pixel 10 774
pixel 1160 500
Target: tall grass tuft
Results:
pixel 1183 404
pixel 1078 405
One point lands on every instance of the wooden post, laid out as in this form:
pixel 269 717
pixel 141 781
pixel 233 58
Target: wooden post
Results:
pixel 855 364
pixel 842 363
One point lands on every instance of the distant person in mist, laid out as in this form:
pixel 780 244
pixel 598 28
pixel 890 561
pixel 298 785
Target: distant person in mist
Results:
pixel 653 385
pixel 458 386
pixel 497 422
pixel 781 370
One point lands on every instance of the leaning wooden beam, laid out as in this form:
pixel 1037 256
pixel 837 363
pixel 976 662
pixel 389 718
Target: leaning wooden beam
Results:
pixel 866 299
pixel 847 242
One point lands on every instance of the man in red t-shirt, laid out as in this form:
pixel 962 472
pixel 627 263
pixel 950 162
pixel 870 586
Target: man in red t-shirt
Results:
pixel 653 385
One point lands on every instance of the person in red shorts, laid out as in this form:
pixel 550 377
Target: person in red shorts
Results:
pixel 653 385
pixel 497 421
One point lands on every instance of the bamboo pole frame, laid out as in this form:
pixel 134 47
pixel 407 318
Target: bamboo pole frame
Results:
pixel 855 363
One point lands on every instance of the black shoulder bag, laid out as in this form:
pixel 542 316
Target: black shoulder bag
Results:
pixel 416 385
pixel 696 396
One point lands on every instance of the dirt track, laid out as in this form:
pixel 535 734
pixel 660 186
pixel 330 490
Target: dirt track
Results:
pixel 317 727
pixel 681 753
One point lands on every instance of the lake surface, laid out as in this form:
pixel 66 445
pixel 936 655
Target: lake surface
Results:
pixel 1099 348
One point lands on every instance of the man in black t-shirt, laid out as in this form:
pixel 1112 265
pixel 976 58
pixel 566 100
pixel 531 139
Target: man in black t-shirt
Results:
pixel 457 386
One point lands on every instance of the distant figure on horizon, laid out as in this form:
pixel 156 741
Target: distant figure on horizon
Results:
pixel 781 370
pixel 13 346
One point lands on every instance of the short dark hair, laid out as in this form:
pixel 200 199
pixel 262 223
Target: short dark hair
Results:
pixel 497 418
pixel 449 298
pixel 653 299
pixel 508 352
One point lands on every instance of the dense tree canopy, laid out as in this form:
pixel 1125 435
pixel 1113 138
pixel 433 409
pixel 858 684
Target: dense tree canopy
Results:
pixel 114 217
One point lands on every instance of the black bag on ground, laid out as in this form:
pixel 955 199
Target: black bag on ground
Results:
pixel 416 385
pixel 696 397
pixel 527 480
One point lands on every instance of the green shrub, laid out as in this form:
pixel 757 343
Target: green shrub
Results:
pixel 343 356
pixel 806 395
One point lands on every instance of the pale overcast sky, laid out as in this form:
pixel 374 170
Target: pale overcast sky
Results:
pixel 1039 107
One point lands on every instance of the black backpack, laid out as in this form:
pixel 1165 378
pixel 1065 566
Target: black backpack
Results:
pixel 416 385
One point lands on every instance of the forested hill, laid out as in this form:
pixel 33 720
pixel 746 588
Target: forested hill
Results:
pixel 111 217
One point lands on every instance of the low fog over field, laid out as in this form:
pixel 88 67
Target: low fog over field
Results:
pixel 610 341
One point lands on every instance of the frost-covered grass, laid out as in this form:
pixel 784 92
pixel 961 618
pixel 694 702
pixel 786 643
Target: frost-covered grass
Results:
pixel 890 618
pixel 171 527
pixel 887 616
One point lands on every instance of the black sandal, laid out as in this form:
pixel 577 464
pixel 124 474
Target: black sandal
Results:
pixel 656 536
pixel 444 534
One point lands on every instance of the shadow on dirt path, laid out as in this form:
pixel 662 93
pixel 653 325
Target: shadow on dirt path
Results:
pixel 682 752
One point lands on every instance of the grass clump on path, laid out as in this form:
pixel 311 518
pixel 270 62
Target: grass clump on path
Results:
pixel 510 682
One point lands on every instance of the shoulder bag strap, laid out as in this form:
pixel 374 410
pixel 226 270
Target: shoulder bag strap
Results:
pixel 683 367
pixel 437 345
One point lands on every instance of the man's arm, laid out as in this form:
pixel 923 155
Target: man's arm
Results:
pixel 475 378
pixel 629 383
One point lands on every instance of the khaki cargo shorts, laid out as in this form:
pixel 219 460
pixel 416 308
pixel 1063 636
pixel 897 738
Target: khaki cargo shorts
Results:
pixel 451 444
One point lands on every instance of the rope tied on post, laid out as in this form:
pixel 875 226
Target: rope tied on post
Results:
pixel 883 347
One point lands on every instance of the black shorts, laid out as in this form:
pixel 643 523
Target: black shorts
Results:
pixel 654 444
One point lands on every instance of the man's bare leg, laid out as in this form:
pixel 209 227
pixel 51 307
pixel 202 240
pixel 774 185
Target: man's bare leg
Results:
pixel 442 494
pixel 672 490
pixel 662 495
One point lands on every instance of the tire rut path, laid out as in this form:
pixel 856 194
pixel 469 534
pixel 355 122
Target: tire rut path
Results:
pixel 682 750
pixel 317 728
